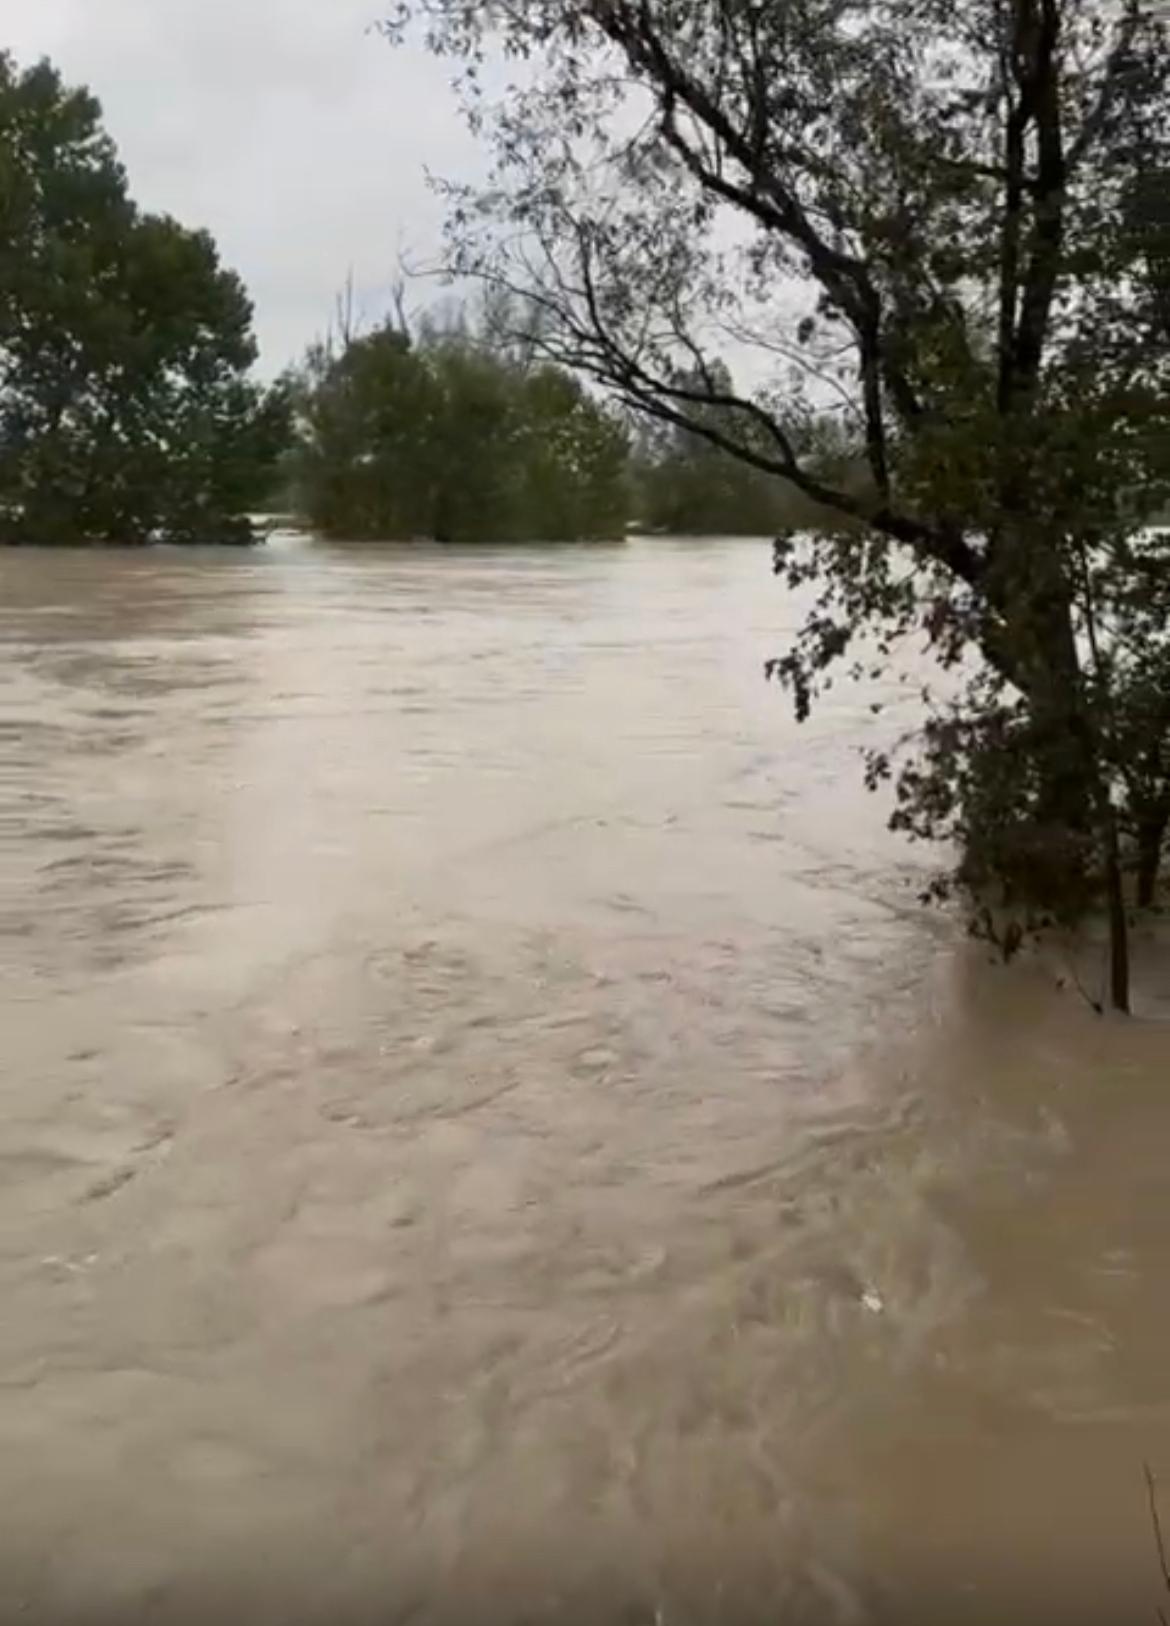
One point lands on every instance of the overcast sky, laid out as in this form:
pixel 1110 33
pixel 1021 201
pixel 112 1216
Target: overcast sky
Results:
pixel 297 136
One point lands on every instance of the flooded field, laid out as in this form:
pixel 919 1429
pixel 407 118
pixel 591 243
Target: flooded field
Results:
pixel 487 1133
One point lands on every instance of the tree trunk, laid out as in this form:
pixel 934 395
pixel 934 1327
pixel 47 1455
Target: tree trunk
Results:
pixel 1118 924
pixel 1151 836
pixel 1074 801
pixel 1035 648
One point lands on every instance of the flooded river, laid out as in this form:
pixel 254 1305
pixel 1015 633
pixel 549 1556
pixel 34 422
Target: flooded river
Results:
pixel 487 1133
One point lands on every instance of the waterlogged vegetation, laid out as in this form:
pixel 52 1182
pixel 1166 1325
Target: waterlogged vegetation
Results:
pixel 935 237
pixel 438 435
pixel 948 221
pixel 457 428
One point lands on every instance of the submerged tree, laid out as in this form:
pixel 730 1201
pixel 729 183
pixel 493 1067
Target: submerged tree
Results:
pixel 441 435
pixel 126 412
pixel 944 220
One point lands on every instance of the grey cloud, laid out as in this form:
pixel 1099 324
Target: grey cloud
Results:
pixel 287 127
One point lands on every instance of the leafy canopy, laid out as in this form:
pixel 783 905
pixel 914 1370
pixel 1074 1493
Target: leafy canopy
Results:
pixel 125 407
pixel 445 436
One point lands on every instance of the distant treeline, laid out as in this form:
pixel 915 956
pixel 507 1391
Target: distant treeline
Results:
pixel 449 432
pixel 683 484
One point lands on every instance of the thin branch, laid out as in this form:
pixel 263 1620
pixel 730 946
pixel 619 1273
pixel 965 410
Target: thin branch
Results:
pixel 1155 1520
pixel 797 358
pixel 845 278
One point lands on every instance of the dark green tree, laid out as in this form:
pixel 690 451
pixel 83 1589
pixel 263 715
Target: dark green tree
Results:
pixel 126 412
pixel 365 413
pixel 445 436
pixel 476 444
pixel 940 218
pixel 574 458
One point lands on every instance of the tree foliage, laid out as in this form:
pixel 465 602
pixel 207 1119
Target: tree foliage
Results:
pixel 444 436
pixel 464 431
pixel 126 412
pixel 943 220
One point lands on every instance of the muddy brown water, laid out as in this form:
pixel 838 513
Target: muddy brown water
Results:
pixel 487 1132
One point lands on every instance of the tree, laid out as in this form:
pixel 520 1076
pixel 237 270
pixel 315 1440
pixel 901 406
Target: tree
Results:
pixel 574 460
pixel 445 436
pixel 475 444
pixel 364 416
pixel 937 219
pixel 125 408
